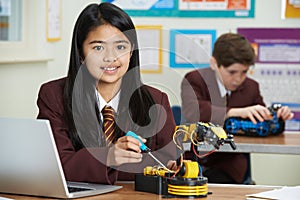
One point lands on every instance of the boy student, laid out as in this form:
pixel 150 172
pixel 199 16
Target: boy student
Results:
pixel 223 90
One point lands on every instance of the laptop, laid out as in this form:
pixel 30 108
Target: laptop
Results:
pixel 30 164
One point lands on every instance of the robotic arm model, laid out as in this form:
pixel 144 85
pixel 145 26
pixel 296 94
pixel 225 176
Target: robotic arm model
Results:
pixel 187 180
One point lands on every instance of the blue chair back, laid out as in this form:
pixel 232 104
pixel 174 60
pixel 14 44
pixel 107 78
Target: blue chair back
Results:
pixel 178 117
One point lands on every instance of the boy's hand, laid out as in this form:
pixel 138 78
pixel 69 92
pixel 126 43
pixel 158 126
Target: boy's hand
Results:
pixel 257 112
pixel 285 113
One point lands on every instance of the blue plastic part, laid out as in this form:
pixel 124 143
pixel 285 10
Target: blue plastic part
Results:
pixel 143 146
pixel 240 126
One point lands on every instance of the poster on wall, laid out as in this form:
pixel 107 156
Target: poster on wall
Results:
pixel 53 20
pixel 274 45
pixel 144 4
pixel 191 48
pixel 291 8
pixel 150 48
pixel 239 7
pixel 187 8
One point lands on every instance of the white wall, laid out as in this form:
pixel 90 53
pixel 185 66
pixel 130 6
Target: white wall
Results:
pixel 19 82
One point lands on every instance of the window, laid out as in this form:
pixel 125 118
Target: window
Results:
pixel 10 20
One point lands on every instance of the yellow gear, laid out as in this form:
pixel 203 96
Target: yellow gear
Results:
pixel 191 169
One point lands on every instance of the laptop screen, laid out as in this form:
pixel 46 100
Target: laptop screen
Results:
pixel 30 162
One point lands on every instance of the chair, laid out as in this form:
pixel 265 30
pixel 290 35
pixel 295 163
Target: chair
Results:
pixel 248 178
pixel 178 117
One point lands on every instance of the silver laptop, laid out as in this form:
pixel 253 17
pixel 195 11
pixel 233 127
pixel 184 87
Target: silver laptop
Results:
pixel 30 164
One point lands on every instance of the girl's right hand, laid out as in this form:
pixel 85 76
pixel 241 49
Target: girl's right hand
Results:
pixel 125 150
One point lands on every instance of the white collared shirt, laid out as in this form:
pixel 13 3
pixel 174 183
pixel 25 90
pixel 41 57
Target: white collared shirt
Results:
pixel 114 102
pixel 222 88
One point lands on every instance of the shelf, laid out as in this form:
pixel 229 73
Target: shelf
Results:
pixel 24 60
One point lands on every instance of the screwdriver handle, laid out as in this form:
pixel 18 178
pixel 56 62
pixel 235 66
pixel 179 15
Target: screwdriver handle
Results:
pixel 143 147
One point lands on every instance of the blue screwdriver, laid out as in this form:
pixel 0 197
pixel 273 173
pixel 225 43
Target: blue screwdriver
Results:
pixel 145 148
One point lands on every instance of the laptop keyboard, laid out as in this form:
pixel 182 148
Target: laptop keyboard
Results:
pixel 77 189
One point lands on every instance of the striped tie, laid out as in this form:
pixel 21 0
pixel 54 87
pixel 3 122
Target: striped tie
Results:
pixel 108 123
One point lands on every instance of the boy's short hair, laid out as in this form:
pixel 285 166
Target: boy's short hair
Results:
pixel 232 48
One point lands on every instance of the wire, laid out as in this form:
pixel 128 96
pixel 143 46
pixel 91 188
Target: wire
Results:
pixel 176 134
pixel 204 155
pixel 200 169
pixel 195 142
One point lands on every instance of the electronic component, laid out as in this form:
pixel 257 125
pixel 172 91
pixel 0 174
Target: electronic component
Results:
pixel 187 180
pixel 200 132
pixel 241 126
pixel 185 183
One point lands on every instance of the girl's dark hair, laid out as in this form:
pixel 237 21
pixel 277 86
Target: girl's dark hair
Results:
pixel 233 48
pixel 81 106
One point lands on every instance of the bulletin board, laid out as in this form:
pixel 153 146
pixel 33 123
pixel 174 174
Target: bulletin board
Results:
pixel 274 45
pixel 150 48
pixel 277 67
pixel 191 48
pixel 187 8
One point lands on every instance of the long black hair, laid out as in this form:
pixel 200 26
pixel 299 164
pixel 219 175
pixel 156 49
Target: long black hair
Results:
pixel 81 107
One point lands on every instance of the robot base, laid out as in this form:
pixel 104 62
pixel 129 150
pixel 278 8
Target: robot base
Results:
pixel 172 187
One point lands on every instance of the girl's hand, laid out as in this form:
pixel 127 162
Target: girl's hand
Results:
pixel 125 150
pixel 172 165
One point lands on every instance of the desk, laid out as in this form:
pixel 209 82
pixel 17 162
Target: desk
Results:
pixel 287 143
pixel 219 192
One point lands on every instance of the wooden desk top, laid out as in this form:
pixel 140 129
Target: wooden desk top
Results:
pixel 287 143
pixel 219 192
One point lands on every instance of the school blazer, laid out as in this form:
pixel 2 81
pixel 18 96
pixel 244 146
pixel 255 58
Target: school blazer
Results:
pixel 202 101
pixel 88 164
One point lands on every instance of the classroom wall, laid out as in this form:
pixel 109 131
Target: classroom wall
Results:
pixel 26 65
